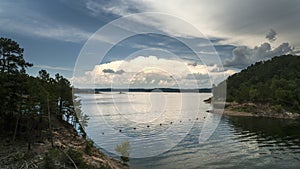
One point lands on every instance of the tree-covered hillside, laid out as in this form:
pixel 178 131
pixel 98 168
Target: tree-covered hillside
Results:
pixel 275 82
pixel 39 118
pixel 28 102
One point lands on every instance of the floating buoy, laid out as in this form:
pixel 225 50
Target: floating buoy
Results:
pixel 160 124
pixel 148 126
pixel 197 118
pixel 102 133
pixel 134 128
pixel 171 122
pixel 120 130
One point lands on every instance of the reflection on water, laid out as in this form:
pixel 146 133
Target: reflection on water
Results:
pixel 278 134
pixel 238 142
pixel 152 122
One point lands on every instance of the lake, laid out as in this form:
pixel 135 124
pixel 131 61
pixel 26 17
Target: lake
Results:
pixel 164 129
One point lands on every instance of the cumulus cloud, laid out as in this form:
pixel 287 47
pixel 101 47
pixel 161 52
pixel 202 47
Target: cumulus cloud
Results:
pixel 151 71
pixel 271 35
pixel 244 56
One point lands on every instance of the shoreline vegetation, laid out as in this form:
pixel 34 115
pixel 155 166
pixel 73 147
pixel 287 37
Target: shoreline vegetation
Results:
pixel 41 123
pixel 265 89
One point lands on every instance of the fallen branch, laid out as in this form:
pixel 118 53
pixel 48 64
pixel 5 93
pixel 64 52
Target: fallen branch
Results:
pixel 7 156
pixel 69 158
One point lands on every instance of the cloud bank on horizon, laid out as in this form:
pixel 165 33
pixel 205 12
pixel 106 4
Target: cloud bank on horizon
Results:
pixel 151 72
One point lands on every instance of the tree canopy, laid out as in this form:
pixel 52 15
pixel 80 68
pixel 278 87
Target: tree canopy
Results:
pixel 11 57
pixel 28 101
pixel 276 82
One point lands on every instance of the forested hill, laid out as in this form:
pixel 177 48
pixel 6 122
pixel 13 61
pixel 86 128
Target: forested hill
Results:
pixel 275 82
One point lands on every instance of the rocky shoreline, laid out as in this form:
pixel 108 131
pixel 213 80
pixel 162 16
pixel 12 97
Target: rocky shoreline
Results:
pixel 255 110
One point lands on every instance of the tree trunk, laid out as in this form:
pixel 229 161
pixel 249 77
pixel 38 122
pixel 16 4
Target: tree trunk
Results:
pixel 49 120
pixel 16 129
pixel 40 126
pixel 60 109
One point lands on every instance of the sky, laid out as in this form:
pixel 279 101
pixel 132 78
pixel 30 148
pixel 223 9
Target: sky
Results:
pixel 147 43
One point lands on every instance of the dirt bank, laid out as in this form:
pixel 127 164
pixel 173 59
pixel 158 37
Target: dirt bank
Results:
pixel 69 151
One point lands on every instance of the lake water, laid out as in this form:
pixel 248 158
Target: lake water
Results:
pixel 164 129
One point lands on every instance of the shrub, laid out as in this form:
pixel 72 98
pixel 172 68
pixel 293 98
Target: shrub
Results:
pixel 89 146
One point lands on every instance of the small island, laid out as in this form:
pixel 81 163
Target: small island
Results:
pixel 265 89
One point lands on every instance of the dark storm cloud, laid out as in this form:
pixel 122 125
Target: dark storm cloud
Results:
pixel 119 72
pixel 108 71
pixel 271 35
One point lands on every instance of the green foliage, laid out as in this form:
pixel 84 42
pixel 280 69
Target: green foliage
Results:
pixel 89 146
pixel 277 108
pixel 11 57
pixel 26 100
pixel 80 117
pixel 76 156
pixel 51 159
pixel 249 108
pixel 276 81
pixel 57 159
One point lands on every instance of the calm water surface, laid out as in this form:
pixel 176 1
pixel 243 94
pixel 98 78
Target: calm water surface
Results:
pixel 238 142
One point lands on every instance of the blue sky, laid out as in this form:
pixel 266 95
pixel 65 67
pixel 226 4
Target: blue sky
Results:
pixel 54 33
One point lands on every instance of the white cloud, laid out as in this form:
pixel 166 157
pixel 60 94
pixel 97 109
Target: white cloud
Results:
pixel 151 72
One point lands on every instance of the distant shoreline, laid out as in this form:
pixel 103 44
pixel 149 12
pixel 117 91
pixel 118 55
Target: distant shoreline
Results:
pixel 167 90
